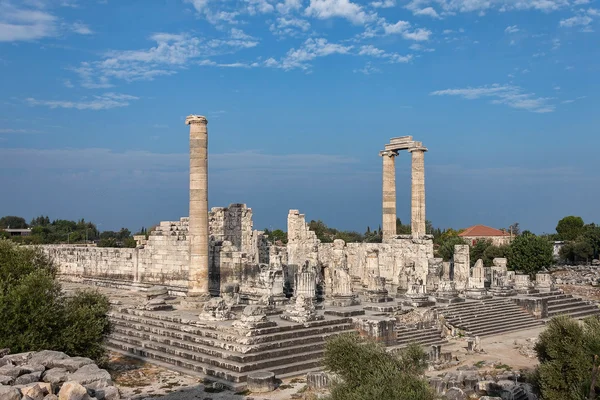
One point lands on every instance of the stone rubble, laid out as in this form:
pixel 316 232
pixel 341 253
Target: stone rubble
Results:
pixel 53 375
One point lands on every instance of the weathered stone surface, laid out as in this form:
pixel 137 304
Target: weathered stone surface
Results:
pixel 261 382
pixel 107 393
pixel 71 364
pixel 19 358
pixel 29 378
pixel 51 397
pixel 46 357
pixel 91 375
pixel 317 380
pixel 55 376
pixel 302 310
pixel 12 371
pixel 72 391
pixel 455 393
pixel 9 393
pixel 216 309
pixel 28 368
pixel 6 380
pixel 36 392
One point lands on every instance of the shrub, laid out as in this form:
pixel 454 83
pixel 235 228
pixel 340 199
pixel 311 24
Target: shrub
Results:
pixel 35 313
pixel 367 371
pixel 568 351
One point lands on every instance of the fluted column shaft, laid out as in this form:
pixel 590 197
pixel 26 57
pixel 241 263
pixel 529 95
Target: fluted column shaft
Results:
pixel 417 211
pixel 198 281
pixel 389 194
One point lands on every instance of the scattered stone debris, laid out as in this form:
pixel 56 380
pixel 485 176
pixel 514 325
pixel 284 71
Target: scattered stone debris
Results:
pixel 52 375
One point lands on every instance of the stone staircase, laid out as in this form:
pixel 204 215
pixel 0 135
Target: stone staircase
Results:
pixel 488 317
pixel 425 337
pixel 219 352
pixel 566 304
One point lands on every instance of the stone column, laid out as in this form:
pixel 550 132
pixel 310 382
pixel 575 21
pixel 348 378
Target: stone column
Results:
pixel 198 280
pixel 389 194
pixel 417 209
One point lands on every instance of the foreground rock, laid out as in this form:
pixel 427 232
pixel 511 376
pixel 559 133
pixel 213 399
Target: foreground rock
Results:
pixel 53 375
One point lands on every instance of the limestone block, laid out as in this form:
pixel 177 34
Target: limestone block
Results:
pixel 261 382
pixel 9 393
pixel 72 391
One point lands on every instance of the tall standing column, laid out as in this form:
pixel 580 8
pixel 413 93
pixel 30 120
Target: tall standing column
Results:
pixel 198 283
pixel 389 194
pixel 417 211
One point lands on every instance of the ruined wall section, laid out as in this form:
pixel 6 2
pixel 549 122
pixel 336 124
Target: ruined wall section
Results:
pixel 399 259
pixel 165 258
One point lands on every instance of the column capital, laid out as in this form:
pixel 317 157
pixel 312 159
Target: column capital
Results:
pixel 417 146
pixel 388 153
pixel 196 119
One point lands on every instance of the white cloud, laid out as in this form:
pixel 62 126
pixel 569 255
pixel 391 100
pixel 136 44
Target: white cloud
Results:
pixel 289 26
pixel 81 28
pixel 578 20
pixel 511 29
pixel 581 2
pixel 259 7
pixel 419 47
pixel 450 7
pixel 325 9
pixel 372 51
pixel 101 102
pixel 573 100
pixel 512 96
pixel 593 12
pixel 402 28
pixel 171 53
pixel 383 4
pixel 428 11
pixel 368 69
pixel 18 24
pixel 288 6
pixel 11 130
pixel 310 49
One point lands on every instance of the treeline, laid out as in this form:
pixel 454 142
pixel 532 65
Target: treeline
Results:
pixel 61 231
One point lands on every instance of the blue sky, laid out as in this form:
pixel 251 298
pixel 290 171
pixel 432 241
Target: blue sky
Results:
pixel 300 96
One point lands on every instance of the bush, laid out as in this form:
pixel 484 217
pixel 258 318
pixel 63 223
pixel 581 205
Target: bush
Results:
pixel 367 371
pixel 567 351
pixel 35 313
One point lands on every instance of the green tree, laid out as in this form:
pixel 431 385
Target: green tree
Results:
pixel 446 247
pixel 367 371
pixel 568 354
pixel 496 252
pixel 402 229
pixel 569 227
pixel 13 222
pixel 477 251
pixel 35 313
pixel 276 235
pixel 530 253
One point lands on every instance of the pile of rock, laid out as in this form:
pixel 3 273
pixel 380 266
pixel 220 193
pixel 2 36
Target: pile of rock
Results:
pixel 576 275
pixel 53 375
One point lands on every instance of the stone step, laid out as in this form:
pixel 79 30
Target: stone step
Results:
pixel 574 309
pixel 579 314
pixel 484 318
pixel 563 301
pixel 295 346
pixel 278 333
pixel 265 363
pixel 417 335
pixel 507 328
pixel 497 308
pixel 474 304
pixel 426 345
pixel 482 326
pixel 294 364
pixel 236 342
pixel 235 381
pixel 567 306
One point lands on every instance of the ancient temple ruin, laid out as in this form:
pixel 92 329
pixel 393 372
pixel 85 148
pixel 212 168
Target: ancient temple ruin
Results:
pixel 218 299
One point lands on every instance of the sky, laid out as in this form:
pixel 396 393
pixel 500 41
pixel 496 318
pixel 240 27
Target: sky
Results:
pixel 300 95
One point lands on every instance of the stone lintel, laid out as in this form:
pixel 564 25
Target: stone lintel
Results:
pixel 417 146
pixel 195 119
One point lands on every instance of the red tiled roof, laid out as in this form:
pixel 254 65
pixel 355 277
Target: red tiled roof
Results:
pixel 482 230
